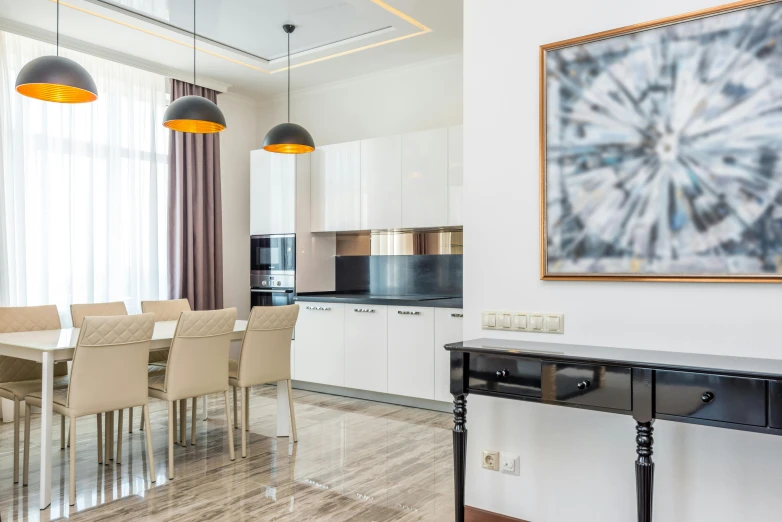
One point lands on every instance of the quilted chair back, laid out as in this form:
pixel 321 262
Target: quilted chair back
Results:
pixel 164 311
pixel 80 311
pixel 198 358
pixel 110 364
pixel 266 347
pixel 27 319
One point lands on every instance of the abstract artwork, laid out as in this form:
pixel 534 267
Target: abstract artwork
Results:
pixel 661 149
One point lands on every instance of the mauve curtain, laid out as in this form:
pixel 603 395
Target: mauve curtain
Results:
pixel 195 212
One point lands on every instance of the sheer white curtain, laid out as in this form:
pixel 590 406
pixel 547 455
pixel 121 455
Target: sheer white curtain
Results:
pixel 83 188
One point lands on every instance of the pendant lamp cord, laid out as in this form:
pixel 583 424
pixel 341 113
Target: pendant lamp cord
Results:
pixel 194 42
pixel 58 27
pixel 289 77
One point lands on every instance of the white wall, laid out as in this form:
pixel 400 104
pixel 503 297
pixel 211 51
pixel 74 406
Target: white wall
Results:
pixel 236 142
pixel 578 465
pixel 420 96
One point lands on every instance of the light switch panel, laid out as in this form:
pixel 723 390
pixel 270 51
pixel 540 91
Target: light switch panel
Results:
pixel 536 322
pixel 519 321
pixel 504 320
pixel 554 323
pixel 523 321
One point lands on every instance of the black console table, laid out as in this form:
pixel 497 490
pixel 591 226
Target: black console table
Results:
pixel 726 392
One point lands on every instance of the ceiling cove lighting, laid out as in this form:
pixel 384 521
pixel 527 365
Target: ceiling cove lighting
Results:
pixel 194 114
pixel 289 138
pixel 56 79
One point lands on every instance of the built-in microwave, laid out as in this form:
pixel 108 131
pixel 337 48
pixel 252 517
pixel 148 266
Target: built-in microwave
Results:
pixel 273 255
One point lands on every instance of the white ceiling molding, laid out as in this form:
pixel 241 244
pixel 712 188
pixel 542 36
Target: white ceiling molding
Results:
pixel 74 44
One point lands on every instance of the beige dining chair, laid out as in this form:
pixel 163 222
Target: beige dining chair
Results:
pixel 168 311
pixel 19 377
pixel 78 313
pixel 265 357
pixel 197 365
pixel 109 373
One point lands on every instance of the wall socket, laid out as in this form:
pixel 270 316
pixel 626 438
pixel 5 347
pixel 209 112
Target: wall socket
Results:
pixel 523 321
pixel 509 464
pixel 491 460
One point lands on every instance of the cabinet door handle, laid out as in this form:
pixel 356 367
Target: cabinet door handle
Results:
pixel 583 385
pixel 323 308
pixel 457 315
pixel 364 310
pixel 407 312
pixel 707 397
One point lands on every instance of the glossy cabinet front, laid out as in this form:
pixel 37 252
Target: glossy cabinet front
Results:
pixel 381 183
pixel 425 179
pixel 447 329
pixel 366 347
pixel 411 351
pixel 455 175
pixel 335 202
pixel 320 343
pixel 272 193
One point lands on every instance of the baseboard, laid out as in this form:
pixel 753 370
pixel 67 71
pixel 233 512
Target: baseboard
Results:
pixel 424 404
pixel 472 514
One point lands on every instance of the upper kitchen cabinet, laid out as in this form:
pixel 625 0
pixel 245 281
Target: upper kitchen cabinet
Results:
pixel 336 187
pixel 425 179
pixel 272 193
pixel 455 176
pixel 381 183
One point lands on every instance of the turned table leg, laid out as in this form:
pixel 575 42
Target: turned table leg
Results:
pixel 459 452
pixel 644 470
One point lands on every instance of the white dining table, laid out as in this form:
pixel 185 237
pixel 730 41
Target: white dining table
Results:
pixel 52 346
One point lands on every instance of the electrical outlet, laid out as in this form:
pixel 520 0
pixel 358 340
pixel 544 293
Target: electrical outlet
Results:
pixel 509 464
pixel 491 460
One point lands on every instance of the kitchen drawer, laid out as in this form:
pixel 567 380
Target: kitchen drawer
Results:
pixel 711 397
pixel 588 385
pixel 505 375
pixel 775 404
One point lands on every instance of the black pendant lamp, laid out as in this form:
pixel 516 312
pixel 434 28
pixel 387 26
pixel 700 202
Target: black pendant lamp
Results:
pixel 289 138
pixel 194 114
pixel 56 79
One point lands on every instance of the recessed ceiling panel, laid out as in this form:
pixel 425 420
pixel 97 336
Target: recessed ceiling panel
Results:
pixel 255 26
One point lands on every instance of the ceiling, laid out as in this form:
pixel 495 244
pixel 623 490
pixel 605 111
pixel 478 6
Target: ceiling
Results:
pixel 241 45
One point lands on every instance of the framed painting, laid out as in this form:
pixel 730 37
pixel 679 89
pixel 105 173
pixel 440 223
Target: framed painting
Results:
pixel 661 150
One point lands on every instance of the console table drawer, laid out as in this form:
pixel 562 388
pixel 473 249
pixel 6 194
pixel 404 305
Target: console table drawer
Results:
pixel 711 397
pixel 505 375
pixel 589 385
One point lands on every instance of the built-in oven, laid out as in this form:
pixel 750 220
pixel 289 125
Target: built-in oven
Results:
pixel 271 296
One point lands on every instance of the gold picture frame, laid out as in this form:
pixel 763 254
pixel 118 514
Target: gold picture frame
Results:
pixel 553 275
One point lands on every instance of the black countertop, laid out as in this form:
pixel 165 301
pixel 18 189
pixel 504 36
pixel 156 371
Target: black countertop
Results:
pixel 393 300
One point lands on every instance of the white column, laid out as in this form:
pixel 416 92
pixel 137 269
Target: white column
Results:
pixel 47 390
pixel 283 411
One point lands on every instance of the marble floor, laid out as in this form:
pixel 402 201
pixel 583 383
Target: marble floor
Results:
pixel 355 460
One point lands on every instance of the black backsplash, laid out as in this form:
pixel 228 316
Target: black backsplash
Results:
pixel 400 275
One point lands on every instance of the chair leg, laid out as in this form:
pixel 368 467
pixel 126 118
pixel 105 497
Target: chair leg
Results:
pixel 130 420
pixel 193 421
pixel 26 444
pixel 62 432
pixel 150 453
pixel 183 422
pixel 72 482
pixel 228 427
pixel 118 460
pixel 206 409
pixel 293 416
pixel 99 417
pixel 107 438
pixel 17 427
pixel 246 406
pixel 171 428
pixel 236 414
pixel 244 423
pixel 143 421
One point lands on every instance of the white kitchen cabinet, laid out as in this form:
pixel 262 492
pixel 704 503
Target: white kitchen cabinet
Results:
pixel 320 343
pixel 336 188
pixel 411 351
pixel 381 183
pixel 272 193
pixel 366 347
pixel 455 175
pixel 447 329
pixel 425 179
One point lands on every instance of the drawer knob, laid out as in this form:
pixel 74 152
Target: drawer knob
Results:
pixel 583 385
pixel 502 373
pixel 707 397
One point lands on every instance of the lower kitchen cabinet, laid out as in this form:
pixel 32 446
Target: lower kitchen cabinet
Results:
pixel 366 347
pixel 320 343
pixel 410 351
pixel 447 329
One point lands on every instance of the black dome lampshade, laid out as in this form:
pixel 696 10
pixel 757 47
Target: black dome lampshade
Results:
pixel 194 114
pixel 56 79
pixel 288 138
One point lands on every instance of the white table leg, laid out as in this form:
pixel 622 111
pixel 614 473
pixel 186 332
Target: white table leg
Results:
pixel 206 410
pixel 283 412
pixel 47 390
